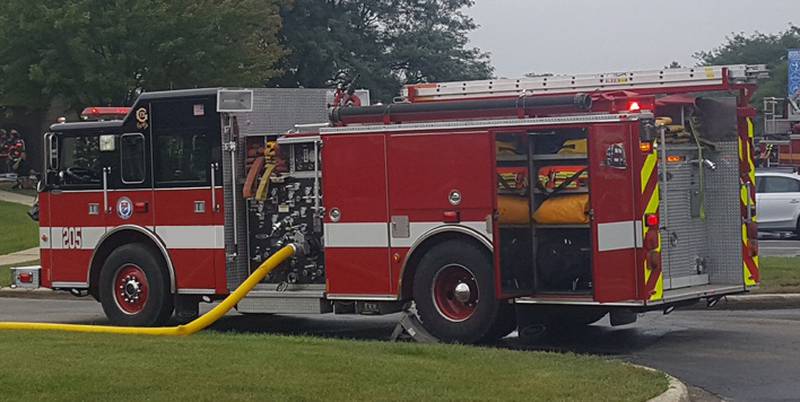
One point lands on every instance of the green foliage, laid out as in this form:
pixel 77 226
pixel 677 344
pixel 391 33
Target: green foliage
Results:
pixel 388 42
pixel 236 367
pixel 104 51
pixel 758 48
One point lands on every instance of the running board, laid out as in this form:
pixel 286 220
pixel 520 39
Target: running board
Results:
pixel 285 302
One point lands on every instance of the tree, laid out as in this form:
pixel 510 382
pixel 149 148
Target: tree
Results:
pixel 106 51
pixel 758 48
pixel 387 42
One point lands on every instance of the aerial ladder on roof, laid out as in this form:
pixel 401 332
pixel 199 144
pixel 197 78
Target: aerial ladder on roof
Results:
pixel 644 82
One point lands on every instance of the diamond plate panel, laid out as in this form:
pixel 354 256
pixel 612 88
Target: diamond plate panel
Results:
pixel 687 238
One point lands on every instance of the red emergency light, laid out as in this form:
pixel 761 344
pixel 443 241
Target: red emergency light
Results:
pixel 105 113
pixel 638 105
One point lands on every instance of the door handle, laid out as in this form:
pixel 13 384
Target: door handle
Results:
pixel 794 201
pixel 140 206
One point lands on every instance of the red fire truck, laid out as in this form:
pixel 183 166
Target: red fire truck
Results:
pixel 466 205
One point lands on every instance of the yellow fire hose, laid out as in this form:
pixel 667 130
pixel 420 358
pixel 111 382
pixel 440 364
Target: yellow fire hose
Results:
pixel 195 326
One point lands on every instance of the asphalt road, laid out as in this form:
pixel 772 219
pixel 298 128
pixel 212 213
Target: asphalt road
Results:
pixel 738 355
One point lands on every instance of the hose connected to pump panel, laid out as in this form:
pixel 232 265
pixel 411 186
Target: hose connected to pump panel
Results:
pixel 193 327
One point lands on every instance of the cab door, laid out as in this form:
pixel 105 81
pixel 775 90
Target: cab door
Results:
pixel 187 191
pixel 128 176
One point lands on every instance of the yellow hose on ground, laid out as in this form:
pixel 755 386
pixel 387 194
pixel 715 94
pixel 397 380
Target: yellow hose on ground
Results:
pixel 195 326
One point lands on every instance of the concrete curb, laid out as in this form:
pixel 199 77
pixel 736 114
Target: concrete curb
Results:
pixel 676 391
pixel 41 293
pixel 765 301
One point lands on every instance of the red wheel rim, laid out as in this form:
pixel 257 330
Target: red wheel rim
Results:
pixel 131 289
pixel 455 292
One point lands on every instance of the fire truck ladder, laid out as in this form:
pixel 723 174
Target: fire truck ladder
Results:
pixel 663 81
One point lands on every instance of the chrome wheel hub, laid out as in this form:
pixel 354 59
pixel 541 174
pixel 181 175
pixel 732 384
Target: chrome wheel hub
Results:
pixel 131 289
pixel 462 292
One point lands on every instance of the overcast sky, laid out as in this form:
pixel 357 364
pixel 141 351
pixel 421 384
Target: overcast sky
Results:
pixel 573 36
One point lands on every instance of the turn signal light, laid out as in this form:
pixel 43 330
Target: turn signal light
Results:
pixel 646 147
pixel 674 158
pixel 754 247
pixel 651 220
pixel 651 240
pixel 752 230
pixel 654 259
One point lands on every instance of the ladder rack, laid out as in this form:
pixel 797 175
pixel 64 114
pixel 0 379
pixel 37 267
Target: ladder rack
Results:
pixel 667 80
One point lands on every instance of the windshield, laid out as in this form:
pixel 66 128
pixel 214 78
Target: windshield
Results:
pixel 79 162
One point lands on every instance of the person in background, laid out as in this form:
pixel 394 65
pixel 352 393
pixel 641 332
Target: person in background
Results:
pixel 16 156
pixel 3 150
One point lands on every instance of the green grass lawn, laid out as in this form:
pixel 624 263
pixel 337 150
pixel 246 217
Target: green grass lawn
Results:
pixel 19 231
pixel 225 367
pixel 779 275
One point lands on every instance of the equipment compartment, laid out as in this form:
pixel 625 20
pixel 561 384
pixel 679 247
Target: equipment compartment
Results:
pixel 550 169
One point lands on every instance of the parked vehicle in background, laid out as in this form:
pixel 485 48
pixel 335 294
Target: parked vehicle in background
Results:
pixel 778 201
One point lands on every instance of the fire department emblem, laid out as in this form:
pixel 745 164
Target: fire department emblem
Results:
pixel 141 118
pixel 615 156
pixel 124 208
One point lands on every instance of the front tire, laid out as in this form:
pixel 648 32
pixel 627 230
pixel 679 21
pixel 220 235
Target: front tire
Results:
pixel 134 287
pixel 454 293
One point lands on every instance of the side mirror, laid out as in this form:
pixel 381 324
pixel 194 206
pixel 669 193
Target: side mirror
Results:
pixel 52 151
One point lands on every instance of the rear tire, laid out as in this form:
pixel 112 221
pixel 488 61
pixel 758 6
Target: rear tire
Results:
pixel 454 293
pixel 134 287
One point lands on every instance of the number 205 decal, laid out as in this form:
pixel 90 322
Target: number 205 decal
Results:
pixel 72 237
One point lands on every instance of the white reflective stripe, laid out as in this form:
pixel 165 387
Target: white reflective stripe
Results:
pixel 191 237
pixel 174 237
pixel 376 234
pixel 196 291
pixel 617 236
pixel 419 229
pixel 367 234
pixel 70 238
pixel 639 233
pixel 76 285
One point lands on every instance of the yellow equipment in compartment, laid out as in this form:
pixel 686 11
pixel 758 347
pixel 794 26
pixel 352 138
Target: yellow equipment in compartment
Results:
pixel 564 209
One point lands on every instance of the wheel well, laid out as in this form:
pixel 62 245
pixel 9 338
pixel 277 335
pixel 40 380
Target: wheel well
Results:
pixel 412 261
pixel 110 243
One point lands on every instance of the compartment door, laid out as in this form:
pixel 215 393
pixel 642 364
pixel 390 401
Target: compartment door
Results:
pixel 616 233
pixel 356 216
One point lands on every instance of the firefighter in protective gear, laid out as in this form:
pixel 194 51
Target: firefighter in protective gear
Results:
pixel 16 156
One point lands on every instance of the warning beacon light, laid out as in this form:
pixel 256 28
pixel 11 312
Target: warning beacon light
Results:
pixel 105 113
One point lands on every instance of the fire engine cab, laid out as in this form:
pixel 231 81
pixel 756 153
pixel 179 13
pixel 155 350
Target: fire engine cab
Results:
pixel 469 206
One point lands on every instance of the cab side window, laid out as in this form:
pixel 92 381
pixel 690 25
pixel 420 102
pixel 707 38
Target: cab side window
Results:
pixel 777 184
pixel 183 159
pixel 132 151
pixel 79 161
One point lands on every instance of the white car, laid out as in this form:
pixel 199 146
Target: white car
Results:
pixel 778 201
